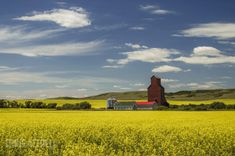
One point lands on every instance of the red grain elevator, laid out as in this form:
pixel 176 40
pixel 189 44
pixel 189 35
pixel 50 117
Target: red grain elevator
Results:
pixel 156 91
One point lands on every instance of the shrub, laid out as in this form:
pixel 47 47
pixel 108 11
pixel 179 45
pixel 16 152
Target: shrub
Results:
pixel 67 106
pixel 28 104
pixel 38 104
pixel 3 104
pixel 77 106
pixel 230 106
pixel 85 105
pixel 51 105
pixel 217 105
pixel 13 104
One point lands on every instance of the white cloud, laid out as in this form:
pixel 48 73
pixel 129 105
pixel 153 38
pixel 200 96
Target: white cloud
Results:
pixel 55 49
pixel 112 66
pixel 154 9
pixel 137 28
pixel 206 55
pixel 82 89
pixel 120 87
pixel 142 89
pixel 116 86
pixel 169 80
pixel 151 55
pixel 227 42
pixel 215 30
pixel 200 55
pixel 61 3
pixel 166 69
pixel 125 88
pixel 74 17
pixel 62 86
pixel 111 60
pixel 136 46
pixel 206 85
pixel 226 77
pixel 206 51
pixel 6 68
pixel 200 86
pixel 138 84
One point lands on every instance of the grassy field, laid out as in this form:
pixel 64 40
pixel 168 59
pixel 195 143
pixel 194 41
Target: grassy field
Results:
pixel 42 132
pixel 102 103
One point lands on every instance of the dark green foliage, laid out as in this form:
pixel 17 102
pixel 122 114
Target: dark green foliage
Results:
pixel 160 107
pixel 51 105
pixel 203 107
pixel 68 106
pixel 28 104
pixel 77 106
pixel 85 105
pixel 13 104
pixel 3 104
pixel 230 106
pixel 38 104
pixel 218 105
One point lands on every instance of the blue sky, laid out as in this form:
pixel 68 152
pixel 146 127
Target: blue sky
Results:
pixel 80 48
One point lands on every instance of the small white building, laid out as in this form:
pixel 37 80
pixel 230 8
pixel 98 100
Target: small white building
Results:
pixel 111 102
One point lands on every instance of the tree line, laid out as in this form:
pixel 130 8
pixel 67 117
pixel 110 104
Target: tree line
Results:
pixel 43 105
pixel 200 107
pixel 86 105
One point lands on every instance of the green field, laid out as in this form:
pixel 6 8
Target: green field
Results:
pixel 102 103
pixel 42 132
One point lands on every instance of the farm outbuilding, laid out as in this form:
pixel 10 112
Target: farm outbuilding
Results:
pixel 131 105
pixel 124 105
pixel 145 105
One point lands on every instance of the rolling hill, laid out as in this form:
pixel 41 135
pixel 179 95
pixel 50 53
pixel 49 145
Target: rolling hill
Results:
pixel 181 95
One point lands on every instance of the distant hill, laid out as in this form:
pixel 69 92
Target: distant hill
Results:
pixel 181 95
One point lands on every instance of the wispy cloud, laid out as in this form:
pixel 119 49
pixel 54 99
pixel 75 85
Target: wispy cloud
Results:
pixel 112 66
pixel 138 84
pixel 214 30
pixel 169 80
pixel 82 89
pixel 155 9
pixel 61 3
pixel 199 85
pixel 22 40
pixel 232 43
pixel 74 17
pixel 20 34
pixel 136 46
pixel 137 28
pixel 6 68
pixel 78 48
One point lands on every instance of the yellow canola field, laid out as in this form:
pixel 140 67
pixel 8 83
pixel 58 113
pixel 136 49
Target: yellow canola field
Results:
pixel 41 132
